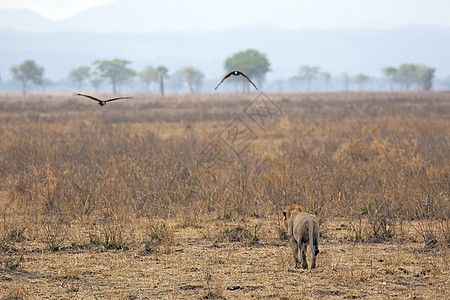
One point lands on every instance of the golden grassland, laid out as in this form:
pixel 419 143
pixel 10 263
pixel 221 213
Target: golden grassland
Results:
pixel 180 197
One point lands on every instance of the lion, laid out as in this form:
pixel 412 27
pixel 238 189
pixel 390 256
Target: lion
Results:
pixel 288 212
pixel 302 228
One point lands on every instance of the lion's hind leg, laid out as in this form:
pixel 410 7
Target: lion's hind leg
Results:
pixel 295 250
pixel 314 252
pixel 314 243
pixel 303 247
pixel 313 262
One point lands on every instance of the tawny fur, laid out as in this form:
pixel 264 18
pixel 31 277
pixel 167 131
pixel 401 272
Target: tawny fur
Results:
pixel 302 228
pixel 288 212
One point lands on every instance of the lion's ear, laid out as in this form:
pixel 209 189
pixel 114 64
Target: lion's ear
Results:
pixel 284 213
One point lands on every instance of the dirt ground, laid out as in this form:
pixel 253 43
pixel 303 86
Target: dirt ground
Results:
pixel 209 262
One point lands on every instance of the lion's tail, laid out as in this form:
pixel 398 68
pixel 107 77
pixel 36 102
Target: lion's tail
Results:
pixel 314 244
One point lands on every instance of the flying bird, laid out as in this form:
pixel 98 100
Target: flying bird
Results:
pixel 101 102
pixel 236 73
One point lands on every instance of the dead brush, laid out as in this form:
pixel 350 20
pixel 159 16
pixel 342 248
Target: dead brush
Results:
pixel 432 231
pixel 17 232
pixel 14 227
pixel 189 216
pixel 381 226
pixel 16 291
pixel 370 158
pixel 160 236
pixel 113 236
pixel 55 235
pixel 215 289
pixel 239 233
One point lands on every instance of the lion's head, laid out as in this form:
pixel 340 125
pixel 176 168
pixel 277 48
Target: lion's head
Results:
pixel 288 212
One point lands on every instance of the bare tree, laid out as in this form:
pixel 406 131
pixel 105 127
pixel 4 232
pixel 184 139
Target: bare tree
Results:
pixel 308 73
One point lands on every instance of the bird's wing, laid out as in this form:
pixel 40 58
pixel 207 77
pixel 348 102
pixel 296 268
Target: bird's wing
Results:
pixel 88 96
pixel 224 77
pixel 247 79
pixel 117 98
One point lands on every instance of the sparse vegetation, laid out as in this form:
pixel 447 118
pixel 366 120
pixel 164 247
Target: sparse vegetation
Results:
pixel 308 73
pixel 159 236
pixel 94 197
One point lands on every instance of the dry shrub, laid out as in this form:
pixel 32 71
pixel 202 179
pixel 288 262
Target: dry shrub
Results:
pixel 160 236
pixel 215 288
pixel 13 230
pixel 236 234
pixel 113 235
pixel 54 235
pixel 240 234
pixel 16 291
pixel 190 217
pixel 375 159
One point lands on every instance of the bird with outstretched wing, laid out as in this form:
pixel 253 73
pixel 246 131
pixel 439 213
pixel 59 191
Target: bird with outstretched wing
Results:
pixel 101 102
pixel 235 73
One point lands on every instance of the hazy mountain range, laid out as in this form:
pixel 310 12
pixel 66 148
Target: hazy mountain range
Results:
pixel 63 45
pixel 144 16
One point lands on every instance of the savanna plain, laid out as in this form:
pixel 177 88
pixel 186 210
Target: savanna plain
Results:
pixel 181 197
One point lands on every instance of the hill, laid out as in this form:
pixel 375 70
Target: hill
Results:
pixel 24 20
pixel 140 16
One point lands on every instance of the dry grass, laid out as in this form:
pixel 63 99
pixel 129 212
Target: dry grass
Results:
pixel 130 201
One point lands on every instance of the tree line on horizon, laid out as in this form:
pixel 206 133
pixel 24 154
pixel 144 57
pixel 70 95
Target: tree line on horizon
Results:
pixel 252 62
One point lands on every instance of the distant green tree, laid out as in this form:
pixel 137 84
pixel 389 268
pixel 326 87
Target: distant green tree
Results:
pixel 193 77
pixel 390 73
pixel 28 73
pixel 308 73
pixel 361 80
pixel 327 78
pixel 95 80
pixel 176 81
pixel 79 75
pixel 420 75
pixel 148 75
pixel 162 73
pixel 407 75
pixel 346 78
pixel 426 77
pixel 252 62
pixel 116 70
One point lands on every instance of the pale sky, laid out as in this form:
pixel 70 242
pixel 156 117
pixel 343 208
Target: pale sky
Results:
pixel 330 13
